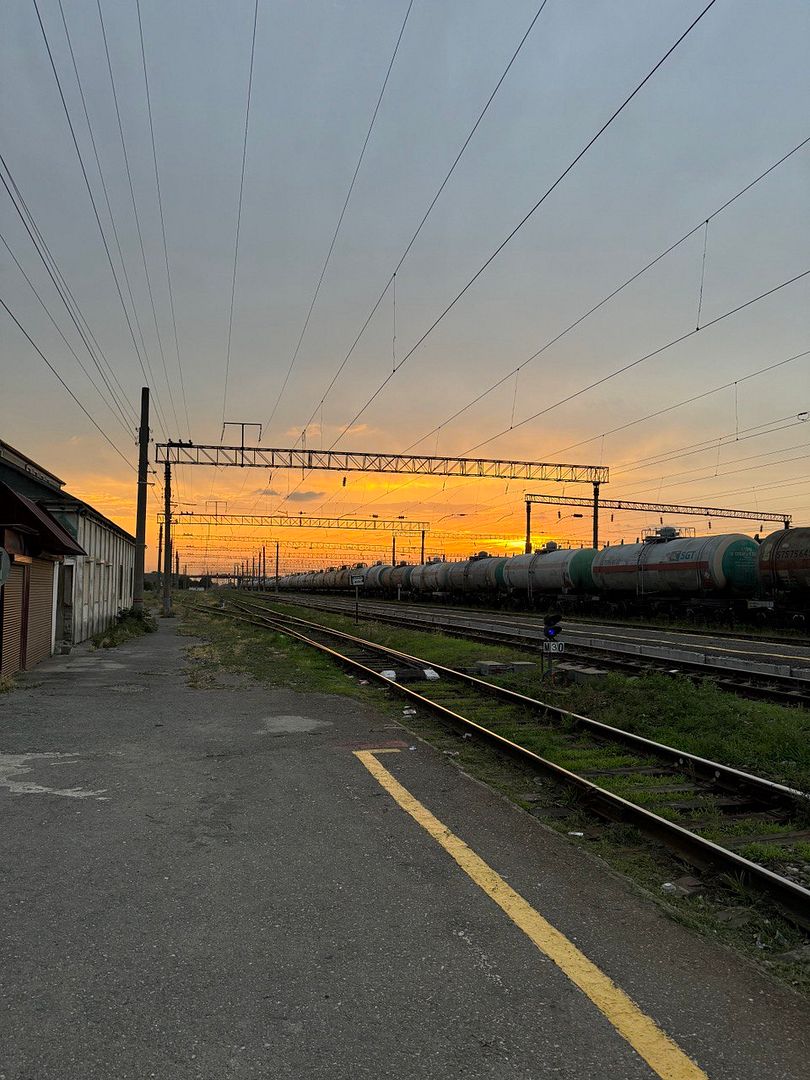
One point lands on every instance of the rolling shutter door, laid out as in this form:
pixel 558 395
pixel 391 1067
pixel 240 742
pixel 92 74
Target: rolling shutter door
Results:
pixel 12 621
pixel 40 613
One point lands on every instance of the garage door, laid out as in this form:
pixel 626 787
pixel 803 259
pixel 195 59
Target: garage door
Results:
pixel 11 645
pixel 40 613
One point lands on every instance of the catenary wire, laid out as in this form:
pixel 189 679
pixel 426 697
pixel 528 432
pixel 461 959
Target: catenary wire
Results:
pixel 239 208
pixel 341 216
pixel 162 216
pixel 426 215
pixel 526 217
pixel 642 359
pixel 610 296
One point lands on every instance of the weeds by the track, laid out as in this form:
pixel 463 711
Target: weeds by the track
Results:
pixel 719 909
pixel 128 624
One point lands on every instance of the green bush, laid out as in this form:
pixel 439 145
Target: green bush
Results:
pixel 129 623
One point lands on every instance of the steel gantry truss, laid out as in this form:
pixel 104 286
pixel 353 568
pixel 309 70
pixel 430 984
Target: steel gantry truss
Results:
pixel 178 452
pixel 646 508
pixel 257 457
pixel 299 521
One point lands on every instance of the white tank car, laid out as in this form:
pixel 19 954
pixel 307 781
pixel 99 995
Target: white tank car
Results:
pixel 784 559
pixel 685 565
pixel 551 570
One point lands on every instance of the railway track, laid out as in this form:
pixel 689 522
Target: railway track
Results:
pixel 700 809
pixel 777 676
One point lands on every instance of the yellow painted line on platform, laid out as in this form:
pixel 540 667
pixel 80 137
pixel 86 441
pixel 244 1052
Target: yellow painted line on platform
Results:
pixel 664 1057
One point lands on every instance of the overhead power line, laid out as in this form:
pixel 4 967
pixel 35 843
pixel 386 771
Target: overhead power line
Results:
pixel 66 295
pixel 239 209
pixel 118 417
pixel 93 202
pixel 105 191
pixel 686 401
pixel 642 359
pixel 526 217
pixel 65 386
pixel 340 219
pixel 136 215
pixel 162 217
pixel 425 216
pixel 610 296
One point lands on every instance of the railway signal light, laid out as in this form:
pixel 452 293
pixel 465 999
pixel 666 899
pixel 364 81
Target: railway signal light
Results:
pixel 551 626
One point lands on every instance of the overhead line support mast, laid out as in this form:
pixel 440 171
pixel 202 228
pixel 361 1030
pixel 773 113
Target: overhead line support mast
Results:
pixel 644 507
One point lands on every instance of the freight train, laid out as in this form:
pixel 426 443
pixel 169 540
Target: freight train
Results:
pixel 722 577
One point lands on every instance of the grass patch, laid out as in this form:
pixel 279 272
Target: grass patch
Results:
pixel 767 739
pixel 128 624
pixel 7 684
pixel 723 911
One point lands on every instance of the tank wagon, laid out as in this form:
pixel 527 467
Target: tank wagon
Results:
pixel 550 571
pixel 784 561
pixel 724 575
pixel 679 565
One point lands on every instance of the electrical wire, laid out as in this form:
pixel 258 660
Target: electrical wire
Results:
pixel 162 217
pixel 65 386
pixel 118 417
pixel 239 209
pixel 642 359
pixel 526 217
pixel 65 293
pixel 93 202
pixel 425 216
pixel 340 217
pixel 136 215
pixel 610 296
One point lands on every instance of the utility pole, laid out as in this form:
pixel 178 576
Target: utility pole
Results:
pixel 528 548
pixel 167 541
pixel 422 549
pixel 394 550
pixel 276 565
pixel 595 514
pixel 264 567
pixel 143 492
pixel 177 567
pixel 160 556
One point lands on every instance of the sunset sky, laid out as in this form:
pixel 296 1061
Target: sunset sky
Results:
pixel 730 102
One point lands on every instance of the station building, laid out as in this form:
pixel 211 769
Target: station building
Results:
pixel 66 570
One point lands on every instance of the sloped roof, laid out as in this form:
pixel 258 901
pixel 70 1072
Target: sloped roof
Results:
pixel 17 509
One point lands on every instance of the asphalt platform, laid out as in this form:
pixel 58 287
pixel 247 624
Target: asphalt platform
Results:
pixel 210 884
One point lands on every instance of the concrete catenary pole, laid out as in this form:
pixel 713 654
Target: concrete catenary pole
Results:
pixel 422 549
pixel 276 565
pixel 528 548
pixel 143 492
pixel 167 540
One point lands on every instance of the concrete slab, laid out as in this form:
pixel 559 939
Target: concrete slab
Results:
pixel 244 900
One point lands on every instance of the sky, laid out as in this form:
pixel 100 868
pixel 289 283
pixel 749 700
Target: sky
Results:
pixel 728 103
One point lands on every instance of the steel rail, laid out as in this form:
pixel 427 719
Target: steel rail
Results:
pixel 791 897
pixel 789 689
pixel 734 779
